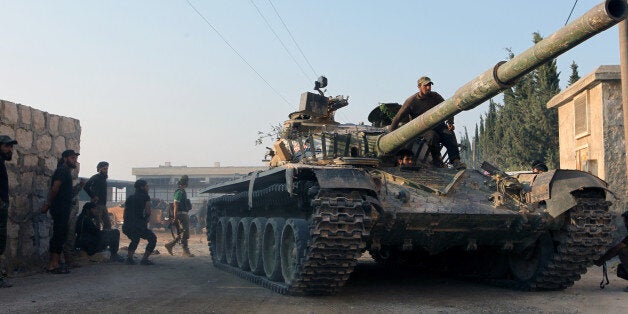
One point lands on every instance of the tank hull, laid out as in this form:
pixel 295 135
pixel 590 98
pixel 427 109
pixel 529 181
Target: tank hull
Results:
pixel 416 216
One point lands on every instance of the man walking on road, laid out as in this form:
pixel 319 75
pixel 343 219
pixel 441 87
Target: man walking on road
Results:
pixel 6 153
pixel 182 206
pixel 96 188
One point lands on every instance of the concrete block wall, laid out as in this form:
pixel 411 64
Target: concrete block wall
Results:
pixel 42 137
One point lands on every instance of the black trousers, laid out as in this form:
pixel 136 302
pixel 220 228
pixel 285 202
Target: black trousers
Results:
pixel 4 217
pixel 60 218
pixel 137 233
pixel 110 238
pixel 440 134
pixel 106 239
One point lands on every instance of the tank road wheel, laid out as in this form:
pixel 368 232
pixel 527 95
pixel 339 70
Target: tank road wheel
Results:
pixel 386 256
pixel 558 260
pixel 293 248
pixel 242 243
pixel 255 240
pixel 221 227
pixel 230 236
pixel 270 248
pixel 527 265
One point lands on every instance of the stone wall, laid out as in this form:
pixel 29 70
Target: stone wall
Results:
pixel 42 137
pixel 614 145
pixel 615 152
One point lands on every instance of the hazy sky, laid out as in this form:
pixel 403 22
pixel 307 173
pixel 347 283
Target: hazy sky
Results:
pixel 151 82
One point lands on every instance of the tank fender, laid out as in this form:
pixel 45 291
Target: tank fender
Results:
pixel 290 181
pixel 344 179
pixel 254 176
pixel 555 187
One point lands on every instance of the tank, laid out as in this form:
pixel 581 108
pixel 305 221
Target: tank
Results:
pixel 333 192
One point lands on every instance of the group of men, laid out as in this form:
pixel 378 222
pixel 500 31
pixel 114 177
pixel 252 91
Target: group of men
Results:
pixel 93 227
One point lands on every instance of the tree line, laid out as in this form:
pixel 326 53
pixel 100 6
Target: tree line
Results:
pixel 520 130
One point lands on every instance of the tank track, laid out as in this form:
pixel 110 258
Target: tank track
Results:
pixel 337 229
pixel 584 237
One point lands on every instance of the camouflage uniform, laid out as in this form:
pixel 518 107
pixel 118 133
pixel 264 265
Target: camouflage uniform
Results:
pixel 183 206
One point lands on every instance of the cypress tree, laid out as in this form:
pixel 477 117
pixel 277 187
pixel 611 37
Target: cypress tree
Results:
pixel 523 129
pixel 466 154
pixel 476 149
pixel 574 73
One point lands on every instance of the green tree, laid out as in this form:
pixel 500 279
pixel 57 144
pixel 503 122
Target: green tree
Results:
pixel 466 153
pixel 523 129
pixel 574 77
pixel 476 148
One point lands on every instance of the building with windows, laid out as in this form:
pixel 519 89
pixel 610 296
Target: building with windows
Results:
pixel 162 180
pixel 591 131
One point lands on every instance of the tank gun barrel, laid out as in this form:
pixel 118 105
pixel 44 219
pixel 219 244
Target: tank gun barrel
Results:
pixel 505 74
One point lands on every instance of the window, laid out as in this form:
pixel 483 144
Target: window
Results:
pixel 581 116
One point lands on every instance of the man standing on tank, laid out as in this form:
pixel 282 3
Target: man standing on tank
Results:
pixel 96 188
pixel 182 206
pixel 418 104
pixel 136 216
pixel 59 202
pixel 6 153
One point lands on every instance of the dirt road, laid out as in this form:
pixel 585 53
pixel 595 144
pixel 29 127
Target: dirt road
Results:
pixel 194 285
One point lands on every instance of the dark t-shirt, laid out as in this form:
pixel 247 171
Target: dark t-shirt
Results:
pixel 63 199
pixel 134 209
pixel 415 106
pixel 87 234
pixel 97 186
pixel 4 182
pixel 625 240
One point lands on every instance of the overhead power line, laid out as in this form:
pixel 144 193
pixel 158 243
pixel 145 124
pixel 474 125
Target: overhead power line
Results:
pixel 280 41
pixel 292 37
pixel 236 52
pixel 574 6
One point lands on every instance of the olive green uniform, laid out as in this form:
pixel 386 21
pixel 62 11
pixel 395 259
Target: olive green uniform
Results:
pixel 183 221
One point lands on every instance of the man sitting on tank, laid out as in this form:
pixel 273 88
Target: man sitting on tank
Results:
pixel 620 249
pixel 418 104
pixel 538 167
pixel 404 158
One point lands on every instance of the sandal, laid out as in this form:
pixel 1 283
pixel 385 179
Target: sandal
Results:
pixel 58 271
